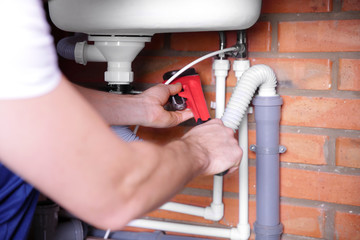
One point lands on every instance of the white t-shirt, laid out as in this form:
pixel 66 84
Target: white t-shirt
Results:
pixel 28 61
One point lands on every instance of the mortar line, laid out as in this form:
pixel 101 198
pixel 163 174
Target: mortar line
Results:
pixel 284 200
pixel 329 223
pixel 303 17
pixel 337 5
pixel 331 154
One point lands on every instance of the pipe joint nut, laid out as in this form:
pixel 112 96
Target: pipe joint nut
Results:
pixel 221 64
pixel 240 66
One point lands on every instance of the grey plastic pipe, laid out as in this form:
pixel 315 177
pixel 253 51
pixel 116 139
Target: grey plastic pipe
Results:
pixel 267 117
pixel 124 235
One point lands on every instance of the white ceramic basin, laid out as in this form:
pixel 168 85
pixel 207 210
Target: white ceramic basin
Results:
pixel 147 17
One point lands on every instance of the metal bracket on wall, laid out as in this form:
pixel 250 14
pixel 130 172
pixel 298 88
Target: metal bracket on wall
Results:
pixel 267 150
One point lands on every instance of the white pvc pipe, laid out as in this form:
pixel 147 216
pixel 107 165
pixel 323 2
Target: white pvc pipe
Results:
pixel 184 208
pixel 220 96
pixel 182 228
pixel 221 68
pixel 85 52
pixel 217 190
pixel 243 225
pixel 240 66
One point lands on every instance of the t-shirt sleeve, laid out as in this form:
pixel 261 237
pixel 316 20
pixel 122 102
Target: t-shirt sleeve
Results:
pixel 28 60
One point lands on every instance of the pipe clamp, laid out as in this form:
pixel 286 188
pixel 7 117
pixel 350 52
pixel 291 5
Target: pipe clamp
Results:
pixel 267 150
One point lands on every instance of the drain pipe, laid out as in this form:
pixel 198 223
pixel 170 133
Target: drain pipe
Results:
pixel 267 117
pixel 258 75
pixel 220 68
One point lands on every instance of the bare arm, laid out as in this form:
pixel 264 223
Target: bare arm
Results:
pixel 145 109
pixel 62 146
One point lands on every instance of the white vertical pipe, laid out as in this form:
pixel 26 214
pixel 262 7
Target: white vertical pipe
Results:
pixel 221 68
pixel 240 66
pixel 219 111
pixel 220 96
pixel 243 225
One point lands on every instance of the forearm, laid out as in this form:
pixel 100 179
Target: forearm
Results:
pixel 70 154
pixel 159 174
pixel 114 108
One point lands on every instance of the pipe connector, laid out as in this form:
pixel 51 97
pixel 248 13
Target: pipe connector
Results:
pixel 239 67
pixel 221 67
pixel 214 212
pixel 240 233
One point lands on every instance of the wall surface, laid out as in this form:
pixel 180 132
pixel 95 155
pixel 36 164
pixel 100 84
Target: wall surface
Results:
pixel 314 48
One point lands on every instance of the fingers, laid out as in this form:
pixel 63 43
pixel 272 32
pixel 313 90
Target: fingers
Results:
pixel 174 88
pixel 179 117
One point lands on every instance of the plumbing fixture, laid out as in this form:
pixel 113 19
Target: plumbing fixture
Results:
pixel 145 18
pixel 118 35
pixel 263 77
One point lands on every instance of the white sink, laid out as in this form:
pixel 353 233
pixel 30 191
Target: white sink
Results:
pixel 147 17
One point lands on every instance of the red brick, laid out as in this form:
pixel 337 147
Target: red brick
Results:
pixel 298 183
pixel 320 186
pixel 348 152
pixel 296 6
pixel 347 226
pixel 151 69
pixel 185 199
pixel 319 36
pixel 156 43
pixel 195 41
pixel 301 148
pixel 321 112
pixel 349 74
pixel 231 182
pixel 297 220
pixel 258 37
pixel 304 221
pixel 300 73
pixel 350 5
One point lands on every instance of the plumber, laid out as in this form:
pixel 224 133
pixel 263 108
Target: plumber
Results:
pixel 55 137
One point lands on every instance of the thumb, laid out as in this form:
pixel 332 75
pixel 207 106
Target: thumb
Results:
pixel 174 88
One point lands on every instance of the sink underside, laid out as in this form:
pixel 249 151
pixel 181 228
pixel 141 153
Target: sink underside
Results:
pixel 147 17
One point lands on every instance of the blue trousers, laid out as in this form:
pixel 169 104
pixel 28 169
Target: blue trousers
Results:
pixel 18 201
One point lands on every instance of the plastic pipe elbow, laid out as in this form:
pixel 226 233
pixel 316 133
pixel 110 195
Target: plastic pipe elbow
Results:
pixel 240 233
pixel 214 212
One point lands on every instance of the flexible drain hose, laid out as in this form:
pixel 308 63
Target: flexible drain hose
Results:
pixel 258 75
pixel 66 46
pixel 125 133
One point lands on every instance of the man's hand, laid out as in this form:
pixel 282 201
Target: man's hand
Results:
pixel 154 100
pixel 215 146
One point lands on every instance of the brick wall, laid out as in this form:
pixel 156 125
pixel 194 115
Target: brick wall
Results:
pixel 314 48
